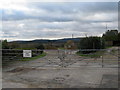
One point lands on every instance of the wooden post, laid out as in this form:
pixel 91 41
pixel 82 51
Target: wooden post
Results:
pixel 102 62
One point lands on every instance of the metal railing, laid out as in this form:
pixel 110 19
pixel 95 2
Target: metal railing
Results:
pixel 10 55
pixel 94 57
pixel 85 57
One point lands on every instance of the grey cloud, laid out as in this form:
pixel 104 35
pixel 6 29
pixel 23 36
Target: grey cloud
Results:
pixel 59 20
pixel 18 15
pixel 73 7
pixel 63 9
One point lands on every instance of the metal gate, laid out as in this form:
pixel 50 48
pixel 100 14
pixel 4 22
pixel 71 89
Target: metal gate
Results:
pixel 66 58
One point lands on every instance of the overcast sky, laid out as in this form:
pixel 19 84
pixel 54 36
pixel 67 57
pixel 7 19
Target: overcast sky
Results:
pixel 50 20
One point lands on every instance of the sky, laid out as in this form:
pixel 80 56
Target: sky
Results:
pixel 56 20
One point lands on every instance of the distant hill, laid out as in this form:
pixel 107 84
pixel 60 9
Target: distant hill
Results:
pixel 47 41
pixel 66 39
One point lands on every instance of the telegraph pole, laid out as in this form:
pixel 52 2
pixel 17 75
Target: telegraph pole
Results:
pixel 72 35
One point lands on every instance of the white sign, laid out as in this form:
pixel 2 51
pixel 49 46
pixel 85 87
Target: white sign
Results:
pixel 27 53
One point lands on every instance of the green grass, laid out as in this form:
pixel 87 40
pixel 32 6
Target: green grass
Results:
pixel 25 48
pixel 92 55
pixel 61 48
pixel 33 58
pixel 108 47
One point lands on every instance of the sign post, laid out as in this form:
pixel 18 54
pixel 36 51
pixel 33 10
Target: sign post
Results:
pixel 27 53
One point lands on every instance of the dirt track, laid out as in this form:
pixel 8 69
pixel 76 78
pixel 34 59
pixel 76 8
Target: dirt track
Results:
pixel 73 72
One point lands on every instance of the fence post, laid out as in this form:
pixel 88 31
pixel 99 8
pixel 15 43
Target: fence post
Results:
pixel 118 57
pixel 102 62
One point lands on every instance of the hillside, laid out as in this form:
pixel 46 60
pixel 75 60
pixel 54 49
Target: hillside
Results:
pixel 47 41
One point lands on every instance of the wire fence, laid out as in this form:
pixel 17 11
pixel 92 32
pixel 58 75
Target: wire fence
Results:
pixel 74 58
pixel 10 55
pixel 92 57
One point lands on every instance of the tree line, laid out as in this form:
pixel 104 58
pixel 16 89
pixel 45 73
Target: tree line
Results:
pixel 91 42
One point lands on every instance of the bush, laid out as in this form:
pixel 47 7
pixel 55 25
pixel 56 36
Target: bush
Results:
pixel 41 47
pixel 91 43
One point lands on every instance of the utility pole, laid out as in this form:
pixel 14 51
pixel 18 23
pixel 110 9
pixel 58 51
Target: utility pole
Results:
pixel 72 35
pixel 85 35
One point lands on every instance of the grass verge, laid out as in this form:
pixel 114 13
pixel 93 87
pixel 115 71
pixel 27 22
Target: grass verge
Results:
pixel 92 55
pixel 33 58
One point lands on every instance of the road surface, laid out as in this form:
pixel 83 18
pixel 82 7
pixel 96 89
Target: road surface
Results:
pixel 72 71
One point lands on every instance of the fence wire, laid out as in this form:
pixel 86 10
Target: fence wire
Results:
pixel 69 58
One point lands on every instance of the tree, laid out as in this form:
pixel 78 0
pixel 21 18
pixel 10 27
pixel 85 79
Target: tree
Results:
pixel 5 44
pixel 41 47
pixel 119 36
pixel 111 35
pixel 69 45
pixel 0 44
pixel 91 43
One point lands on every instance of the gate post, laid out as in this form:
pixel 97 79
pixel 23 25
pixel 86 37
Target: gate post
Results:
pixel 102 62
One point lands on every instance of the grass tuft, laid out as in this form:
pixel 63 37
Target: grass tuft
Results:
pixel 92 55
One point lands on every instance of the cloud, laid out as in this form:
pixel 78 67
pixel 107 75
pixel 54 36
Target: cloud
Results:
pixel 57 20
